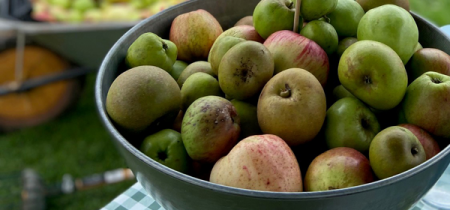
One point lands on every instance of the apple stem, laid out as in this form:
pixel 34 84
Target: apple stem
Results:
pixel 297 16
pixel 286 93
pixel 327 19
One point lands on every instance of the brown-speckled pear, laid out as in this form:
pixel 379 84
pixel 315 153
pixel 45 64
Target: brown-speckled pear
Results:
pixel 210 128
pixel 194 34
pixel 261 162
pixel 141 95
pixel 292 106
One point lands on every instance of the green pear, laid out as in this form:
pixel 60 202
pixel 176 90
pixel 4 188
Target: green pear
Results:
pixel 210 128
pixel 345 18
pixel 373 73
pixel 350 123
pixel 395 150
pixel 323 34
pixel 199 66
pixel 245 69
pixel 218 50
pixel 426 103
pixel 338 168
pixel 393 26
pixel 177 68
pixel 150 50
pixel 292 105
pixel 314 9
pixel 249 119
pixel 199 85
pixel 140 96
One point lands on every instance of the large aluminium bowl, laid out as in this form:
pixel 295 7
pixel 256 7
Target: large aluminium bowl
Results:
pixel 178 191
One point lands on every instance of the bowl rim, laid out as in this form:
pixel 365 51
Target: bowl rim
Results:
pixel 233 190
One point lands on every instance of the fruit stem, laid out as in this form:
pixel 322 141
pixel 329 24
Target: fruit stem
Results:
pixel 165 47
pixel 327 19
pixel 287 92
pixel 297 16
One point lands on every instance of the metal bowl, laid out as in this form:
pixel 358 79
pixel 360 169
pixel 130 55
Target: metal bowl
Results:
pixel 174 190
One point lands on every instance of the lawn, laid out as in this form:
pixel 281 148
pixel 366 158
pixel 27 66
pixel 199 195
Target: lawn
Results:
pixel 76 143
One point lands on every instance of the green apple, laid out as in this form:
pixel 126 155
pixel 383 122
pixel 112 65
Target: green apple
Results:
pixel 199 66
pixel 315 9
pixel 393 26
pixel 199 85
pixel 177 68
pixel 345 18
pixel 218 50
pixel 339 92
pixel 338 168
pixel 281 16
pixel 428 59
pixel 245 69
pixel 167 148
pixel 344 44
pixel 395 150
pixel 430 145
pixel 373 73
pixel 426 103
pixel 323 34
pixel 350 123
pixel 249 120
pixel 210 128
pixel 292 105
pixel 149 49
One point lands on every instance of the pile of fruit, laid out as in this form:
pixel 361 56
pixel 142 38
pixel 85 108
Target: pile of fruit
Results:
pixel 93 11
pixel 349 98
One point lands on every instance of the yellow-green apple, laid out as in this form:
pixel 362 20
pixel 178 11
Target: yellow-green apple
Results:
pixel 430 145
pixel 350 123
pixel 167 148
pixel 373 73
pixel 199 66
pixel 291 50
pixel 218 50
pixel 194 34
pixel 292 105
pixel 248 118
pixel 247 20
pixel 345 18
pixel 140 96
pixel 338 168
pixel 427 103
pixel 315 9
pixel 344 44
pixel 210 128
pixel 245 69
pixel 262 162
pixel 177 68
pixel 395 150
pixel 150 50
pixel 428 59
pixel 246 32
pixel 281 16
pixel 323 34
pixel 199 85
pixel 370 4
pixel 393 26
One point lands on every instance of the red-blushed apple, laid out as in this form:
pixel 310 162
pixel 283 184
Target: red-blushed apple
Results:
pixel 247 20
pixel 427 104
pixel 338 168
pixel 194 33
pixel 429 144
pixel 261 162
pixel 428 59
pixel 246 32
pixel 291 50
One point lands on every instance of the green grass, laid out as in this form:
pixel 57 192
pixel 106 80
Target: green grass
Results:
pixel 437 11
pixel 76 143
